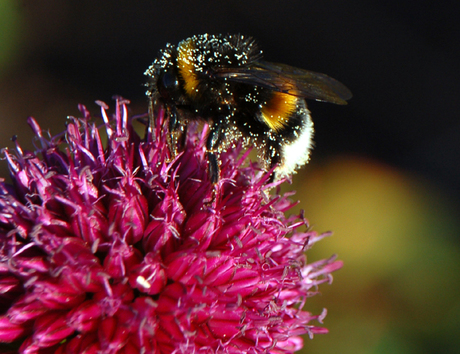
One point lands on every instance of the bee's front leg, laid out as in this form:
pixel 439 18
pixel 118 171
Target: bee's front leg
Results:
pixel 175 130
pixel 213 142
pixel 152 115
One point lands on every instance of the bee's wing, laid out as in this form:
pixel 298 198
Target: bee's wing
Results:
pixel 290 80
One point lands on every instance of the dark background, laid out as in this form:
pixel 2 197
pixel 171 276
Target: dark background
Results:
pixel 399 58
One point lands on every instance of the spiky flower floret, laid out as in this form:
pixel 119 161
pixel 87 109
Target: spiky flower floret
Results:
pixel 121 249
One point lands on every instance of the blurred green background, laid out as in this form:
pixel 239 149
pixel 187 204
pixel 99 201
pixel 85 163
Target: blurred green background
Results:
pixel 399 290
pixel 384 174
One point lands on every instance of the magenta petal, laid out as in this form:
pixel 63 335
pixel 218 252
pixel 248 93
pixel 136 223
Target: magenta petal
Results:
pixel 58 295
pixel 9 284
pixel 200 227
pixel 24 310
pixel 121 258
pixel 113 334
pixel 51 329
pixel 244 282
pixel 162 232
pixel 131 211
pixel 82 343
pixel 86 317
pixel 220 271
pixel 90 223
pixel 183 266
pixel 225 324
pixel 10 331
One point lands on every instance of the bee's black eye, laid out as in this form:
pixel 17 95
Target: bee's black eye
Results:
pixel 170 81
pixel 169 86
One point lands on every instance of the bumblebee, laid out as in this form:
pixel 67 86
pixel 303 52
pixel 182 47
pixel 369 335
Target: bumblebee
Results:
pixel 222 80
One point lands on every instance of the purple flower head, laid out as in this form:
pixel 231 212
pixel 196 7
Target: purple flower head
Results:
pixel 120 248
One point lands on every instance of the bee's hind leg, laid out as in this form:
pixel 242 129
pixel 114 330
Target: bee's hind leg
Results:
pixel 272 158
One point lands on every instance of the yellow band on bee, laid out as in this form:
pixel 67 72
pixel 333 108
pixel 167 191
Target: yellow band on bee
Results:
pixel 278 109
pixel 186 66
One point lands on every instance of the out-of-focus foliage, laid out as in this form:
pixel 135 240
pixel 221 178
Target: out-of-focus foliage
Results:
pixel 399 290
pixel 10 33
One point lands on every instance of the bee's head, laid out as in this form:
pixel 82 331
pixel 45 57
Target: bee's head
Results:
pixel 163 84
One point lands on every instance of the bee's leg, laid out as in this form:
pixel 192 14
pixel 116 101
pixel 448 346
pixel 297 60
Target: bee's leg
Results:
pixel 213 167
pixel 172 119
pixel 183 137
pixel 213 141
pixel 173 130
pixel 273 157
pixel 151 128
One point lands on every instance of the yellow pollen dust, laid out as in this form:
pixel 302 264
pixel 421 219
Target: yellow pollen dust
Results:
pixel 186 66
pixel 278 109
